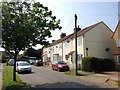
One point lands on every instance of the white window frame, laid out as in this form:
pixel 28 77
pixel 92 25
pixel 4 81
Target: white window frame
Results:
pixel 79 41
pixel 118 59
pixel 118 43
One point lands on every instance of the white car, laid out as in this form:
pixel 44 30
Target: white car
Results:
pixel 11 62
pixel 23 66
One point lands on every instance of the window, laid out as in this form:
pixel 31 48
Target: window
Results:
pixel 118 43
pixel 60 46
pixel 53 49
pixel 118 60
pixel 79 41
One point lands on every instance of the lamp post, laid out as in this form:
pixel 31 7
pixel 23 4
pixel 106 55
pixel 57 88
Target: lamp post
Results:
pixel 75 31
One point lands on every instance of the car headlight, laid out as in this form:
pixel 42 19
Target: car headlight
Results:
pixel 60 66
pixel 21 68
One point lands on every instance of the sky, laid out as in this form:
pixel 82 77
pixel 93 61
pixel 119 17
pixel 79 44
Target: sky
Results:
pixel 88 13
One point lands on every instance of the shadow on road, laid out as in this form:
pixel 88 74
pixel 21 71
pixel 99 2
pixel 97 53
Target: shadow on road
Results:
pixel 26 73
pixel 64 85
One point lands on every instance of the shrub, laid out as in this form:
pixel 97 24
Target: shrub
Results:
pixel 107 65
pixel 89 64
pixel 97 64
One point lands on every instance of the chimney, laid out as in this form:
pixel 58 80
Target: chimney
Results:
pixel 62 35
pixel 53 41
pixel 78 29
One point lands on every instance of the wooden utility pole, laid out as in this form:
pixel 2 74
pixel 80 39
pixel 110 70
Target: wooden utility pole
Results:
pixel 75 31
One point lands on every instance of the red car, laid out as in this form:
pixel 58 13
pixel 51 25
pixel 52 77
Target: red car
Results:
pixel 60 66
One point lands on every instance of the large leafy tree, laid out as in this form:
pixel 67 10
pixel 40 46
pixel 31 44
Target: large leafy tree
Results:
pixel 31 52
pixel 24 25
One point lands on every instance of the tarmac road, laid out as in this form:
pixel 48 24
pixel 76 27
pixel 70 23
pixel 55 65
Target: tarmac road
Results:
pixel 42 77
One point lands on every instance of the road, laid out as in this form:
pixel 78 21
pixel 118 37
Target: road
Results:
pixel 42 77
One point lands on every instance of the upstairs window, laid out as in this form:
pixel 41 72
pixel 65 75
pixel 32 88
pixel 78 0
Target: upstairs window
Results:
pixel 79 41
pixel 118 60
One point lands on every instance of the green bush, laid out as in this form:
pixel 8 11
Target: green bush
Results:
pixel 97 64
pixel 23 58
pixel 89 64
pixel 107 65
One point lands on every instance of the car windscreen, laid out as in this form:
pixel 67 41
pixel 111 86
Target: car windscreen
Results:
pixel 61 62
pixel 23 64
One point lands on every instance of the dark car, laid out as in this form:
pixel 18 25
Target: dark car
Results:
pixel 38 63
pixel 31 61
pixel 60 66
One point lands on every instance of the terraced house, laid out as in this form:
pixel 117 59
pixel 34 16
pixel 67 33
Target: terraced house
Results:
pixel 94 40
pixel 116 46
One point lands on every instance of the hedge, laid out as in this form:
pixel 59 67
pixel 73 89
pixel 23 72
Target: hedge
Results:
pixel 97 64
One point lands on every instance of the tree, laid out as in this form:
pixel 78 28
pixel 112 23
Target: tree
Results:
pixel 24 25
pixel 31 52
pixel 39 53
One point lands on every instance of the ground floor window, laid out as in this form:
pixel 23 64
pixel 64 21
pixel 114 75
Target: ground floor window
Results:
pixel 118 59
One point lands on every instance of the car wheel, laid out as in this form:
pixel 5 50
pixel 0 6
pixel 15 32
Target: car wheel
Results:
pixel 18 72
pixel 59 70
pixel 30 71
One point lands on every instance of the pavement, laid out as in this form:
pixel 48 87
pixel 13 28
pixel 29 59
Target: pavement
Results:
pixel 108 78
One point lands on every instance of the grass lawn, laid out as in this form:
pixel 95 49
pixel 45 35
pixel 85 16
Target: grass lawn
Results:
pixel 73 73
pixel 8 78
pixel 118 83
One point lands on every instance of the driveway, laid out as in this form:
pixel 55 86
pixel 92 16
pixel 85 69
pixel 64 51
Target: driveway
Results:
pixel 42 77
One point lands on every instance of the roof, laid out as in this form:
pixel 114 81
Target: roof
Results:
pixel 115 29
pixel 79 33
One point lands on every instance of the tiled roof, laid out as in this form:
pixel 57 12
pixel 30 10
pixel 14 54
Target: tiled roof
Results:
pixel 79 33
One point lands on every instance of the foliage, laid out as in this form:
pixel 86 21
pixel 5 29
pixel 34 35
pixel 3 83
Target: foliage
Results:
pixel 88 63
pixel 73 73
pixel 25 25
pixel 23 57
pixel 107 65
pixel 97 64
pixel 7 79
pixel 31 52
pixel 5 58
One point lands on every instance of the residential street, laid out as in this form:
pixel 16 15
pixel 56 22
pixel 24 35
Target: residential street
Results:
pixel 42 77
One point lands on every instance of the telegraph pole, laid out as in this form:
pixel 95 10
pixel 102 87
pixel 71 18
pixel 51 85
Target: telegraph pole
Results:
pixel 75 31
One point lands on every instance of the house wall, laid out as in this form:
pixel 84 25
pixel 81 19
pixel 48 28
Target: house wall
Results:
pixel 116 50
pixel 97 40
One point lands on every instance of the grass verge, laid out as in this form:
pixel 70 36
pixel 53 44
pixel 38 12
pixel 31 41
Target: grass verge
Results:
pixel 73 73
pixel 118 83
pixel 8 79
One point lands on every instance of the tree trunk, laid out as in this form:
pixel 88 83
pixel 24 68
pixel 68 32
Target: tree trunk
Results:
pixel 14 69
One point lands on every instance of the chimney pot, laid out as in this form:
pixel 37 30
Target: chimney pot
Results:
pixel 62 35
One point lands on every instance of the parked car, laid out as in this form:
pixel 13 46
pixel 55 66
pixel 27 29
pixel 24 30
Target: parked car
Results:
pixel 60 66
pixel 11 62
pixel 23 66
pixel 31 61
pixel 38 63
